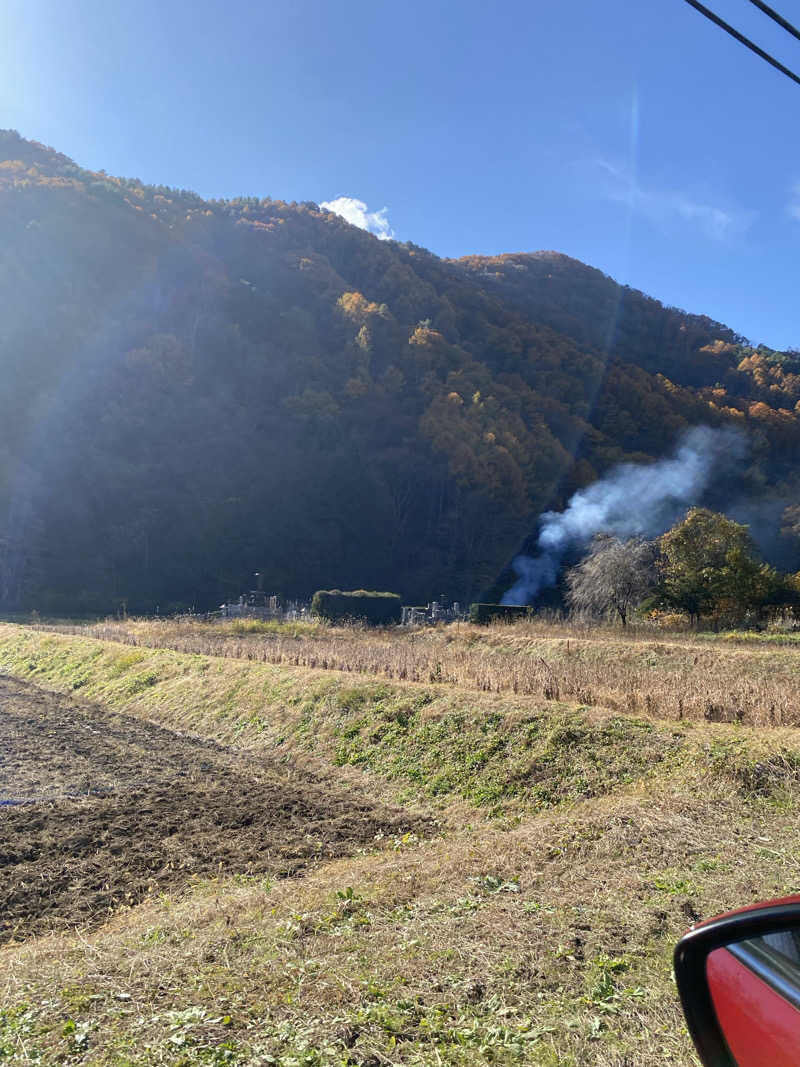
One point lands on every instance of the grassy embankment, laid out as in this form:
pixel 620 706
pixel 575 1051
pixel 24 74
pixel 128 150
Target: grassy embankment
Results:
pixel 576 842
pixel 729 678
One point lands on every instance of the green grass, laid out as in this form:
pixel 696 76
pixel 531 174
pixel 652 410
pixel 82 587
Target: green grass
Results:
pixel 497 751
pixel 537 759
pixel 534 928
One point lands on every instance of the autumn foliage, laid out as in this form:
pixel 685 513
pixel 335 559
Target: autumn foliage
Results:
pixel 196 390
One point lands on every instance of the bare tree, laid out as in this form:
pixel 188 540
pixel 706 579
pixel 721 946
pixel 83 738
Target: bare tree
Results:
pixel 614 576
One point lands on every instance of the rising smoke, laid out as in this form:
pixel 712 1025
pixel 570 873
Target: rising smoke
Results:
pixel 632 500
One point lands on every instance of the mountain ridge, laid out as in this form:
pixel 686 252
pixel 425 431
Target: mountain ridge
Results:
pixel 201 389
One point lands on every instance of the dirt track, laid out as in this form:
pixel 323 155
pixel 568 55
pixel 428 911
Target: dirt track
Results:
pixel 97 808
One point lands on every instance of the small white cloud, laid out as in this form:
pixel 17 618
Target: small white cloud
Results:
pixel 717 223
pixel 358 214
pixel 664 206
pixel 793 207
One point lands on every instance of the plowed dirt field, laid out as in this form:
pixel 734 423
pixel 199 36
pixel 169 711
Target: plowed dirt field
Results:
pixel 97 809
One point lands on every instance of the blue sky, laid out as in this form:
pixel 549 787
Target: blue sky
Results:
pixel 631 134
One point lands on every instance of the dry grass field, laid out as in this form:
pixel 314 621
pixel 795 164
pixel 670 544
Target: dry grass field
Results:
pixel 451 847
pixel 673 676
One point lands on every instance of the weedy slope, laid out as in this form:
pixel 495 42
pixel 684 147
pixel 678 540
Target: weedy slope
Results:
pixel 531 922
pixel 733 678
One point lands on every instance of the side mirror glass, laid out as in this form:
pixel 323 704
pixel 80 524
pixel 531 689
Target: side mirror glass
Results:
pixel 739 981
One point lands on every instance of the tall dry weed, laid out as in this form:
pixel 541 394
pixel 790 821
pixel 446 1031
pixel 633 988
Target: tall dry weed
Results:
pixel 671 677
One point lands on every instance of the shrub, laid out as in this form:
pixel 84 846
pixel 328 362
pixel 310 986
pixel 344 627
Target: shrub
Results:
pixel 377 609
pixel 482 614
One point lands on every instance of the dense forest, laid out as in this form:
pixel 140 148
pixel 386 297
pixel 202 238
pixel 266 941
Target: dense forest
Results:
pixel 197 390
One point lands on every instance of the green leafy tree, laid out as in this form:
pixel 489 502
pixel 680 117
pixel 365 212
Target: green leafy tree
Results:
pixel 709 566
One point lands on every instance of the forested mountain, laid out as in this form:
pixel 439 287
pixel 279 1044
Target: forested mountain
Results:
pixel 196 390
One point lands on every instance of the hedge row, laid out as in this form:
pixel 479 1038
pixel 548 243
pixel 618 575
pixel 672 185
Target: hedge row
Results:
pixel 485 613
pixel 378 609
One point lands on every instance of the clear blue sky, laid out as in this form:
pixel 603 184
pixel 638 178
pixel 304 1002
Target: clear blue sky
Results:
pixel 631 134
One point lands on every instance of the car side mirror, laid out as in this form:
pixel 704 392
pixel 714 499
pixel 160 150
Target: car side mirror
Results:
pixel 738 977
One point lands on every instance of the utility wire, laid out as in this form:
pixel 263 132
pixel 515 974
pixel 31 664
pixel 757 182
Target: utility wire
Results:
pixel 773 14
pixel 743 40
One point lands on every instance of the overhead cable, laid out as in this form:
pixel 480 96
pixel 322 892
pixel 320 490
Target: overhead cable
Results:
pixel 773 14
pixel 740 37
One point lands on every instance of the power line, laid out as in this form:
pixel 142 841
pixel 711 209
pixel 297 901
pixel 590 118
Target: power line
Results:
pixel 743 40
pixel 773 14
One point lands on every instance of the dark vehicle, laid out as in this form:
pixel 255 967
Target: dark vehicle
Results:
pixel 738 976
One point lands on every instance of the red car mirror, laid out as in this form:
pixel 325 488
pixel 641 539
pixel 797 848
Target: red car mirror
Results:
pixel 738 977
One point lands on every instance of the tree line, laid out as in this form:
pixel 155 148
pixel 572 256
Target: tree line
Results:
pixel 707 567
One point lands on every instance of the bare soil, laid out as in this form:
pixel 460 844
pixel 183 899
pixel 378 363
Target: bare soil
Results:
pixel 97 809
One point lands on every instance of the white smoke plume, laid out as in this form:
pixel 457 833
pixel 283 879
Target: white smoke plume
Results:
pixel 632 500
